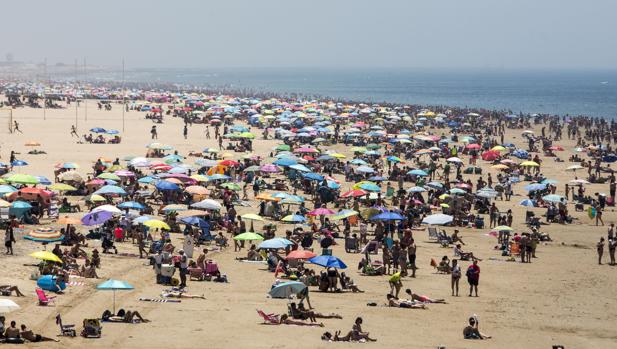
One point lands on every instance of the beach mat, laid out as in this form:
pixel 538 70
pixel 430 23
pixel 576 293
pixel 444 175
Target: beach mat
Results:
pixel 158 300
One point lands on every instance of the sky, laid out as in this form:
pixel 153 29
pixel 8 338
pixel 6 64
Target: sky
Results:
pixel 508 34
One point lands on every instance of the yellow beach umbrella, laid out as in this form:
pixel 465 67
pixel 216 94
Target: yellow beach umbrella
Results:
pixel 499 167
pixel 530 163
pixel 46 256
pixel 157 224
pixel 498 148
pixel 61 187
pixel 252 217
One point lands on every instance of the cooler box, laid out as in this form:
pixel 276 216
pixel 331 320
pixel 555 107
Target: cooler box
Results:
pixel 48 283
pixel 167 270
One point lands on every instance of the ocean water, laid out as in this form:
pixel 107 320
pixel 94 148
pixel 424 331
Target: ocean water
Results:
pixel 592 92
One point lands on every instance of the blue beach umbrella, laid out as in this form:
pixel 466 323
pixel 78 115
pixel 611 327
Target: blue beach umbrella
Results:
pixel 165 185
pixel 328 262
pixel 286 289
pixel 113 285
pixel 131 205
pixel 387 216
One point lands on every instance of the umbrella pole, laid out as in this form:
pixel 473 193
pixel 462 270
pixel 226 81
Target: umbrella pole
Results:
pixel 114 306
pixel 252 229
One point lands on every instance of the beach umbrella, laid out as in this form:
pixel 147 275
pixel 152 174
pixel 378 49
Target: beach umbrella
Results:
pixel 114 285
pixel 44 235
pixel 43 180
pixel 97 130
pixel 574 168
pixel 166 185
pixel 192 220
pixel 17 163
pixel 579 182
pixel 68 220
pixel 344 214
pixel 529 164
pixel 218 176
pixel 416 190
pixel 487 193
pixel 502 228
pixel 45 256
pixel 139 162
pixel 553 198
pixel 141 219
pixel 368 186
pixel 387 216
pixel 328 262
pixel 67 165
pixel 95 218
pixel 109 175
pixel 282 147
pixel 457 191
pixel 535 186
pixel 609 158
pixel 248 236
pixel 527 203
pixel 454 159
pixel 196 189
pixel 18 208
pixel 73 176
pixel 354 193
pixel 131 205
pixel 500 167
pixel 159 146
pixel 285 162
pixel 286 289
pixel 7 189
pixel 322 211
pixel 437 219
pixel 358 162
pixel 62 187
pixel 172 158
pixel 22 179
pixel 300 167
pixel 392 158
pixel 7 306
pixel 520 153
pixel 294 218
pixel 156 224
pixel 313 176
pixel 300 254
pixel 231 186
pixel 252 217
pixel 107 208
pixel 275 243
pixel 365 169
pixel 417 172
pixel 269 168
pixel 94 198
pixel 110 190
pixel 208 204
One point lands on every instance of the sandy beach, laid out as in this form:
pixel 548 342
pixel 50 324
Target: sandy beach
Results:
pixel 562 297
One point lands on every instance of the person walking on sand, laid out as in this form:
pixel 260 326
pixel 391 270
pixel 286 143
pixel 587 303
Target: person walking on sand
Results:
pixel 154 133
pixel 207 132
pixel 74 131
pixel 16 127
pixel 612 244
pixel 185 131
pixel 600 249
pixel 9 237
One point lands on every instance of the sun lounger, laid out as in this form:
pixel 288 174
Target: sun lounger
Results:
pixel 432 233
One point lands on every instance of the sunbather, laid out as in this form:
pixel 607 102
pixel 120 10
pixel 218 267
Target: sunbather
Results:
pixel 424 299
pixel 7 290
pixel 32 337
pixel 472 331
pixel 458 252
pixel 284 320
pixel 299 312
pixel 178 294
pixel 122 316
pixel 396 303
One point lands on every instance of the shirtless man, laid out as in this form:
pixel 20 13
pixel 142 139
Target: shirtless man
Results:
pixel 6 290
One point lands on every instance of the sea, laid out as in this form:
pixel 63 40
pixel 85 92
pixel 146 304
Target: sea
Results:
pixel 557 92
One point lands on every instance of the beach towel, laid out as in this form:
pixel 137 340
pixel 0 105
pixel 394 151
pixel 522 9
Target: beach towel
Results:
pixel 157 300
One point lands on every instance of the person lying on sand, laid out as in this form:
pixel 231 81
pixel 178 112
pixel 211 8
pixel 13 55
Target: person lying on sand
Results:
pixel 32 337
pixel 178 294
pixel 396 303
pixel 129 317
pixel 299 312
pixel 423 299
pixel 7 290
pixel 285 320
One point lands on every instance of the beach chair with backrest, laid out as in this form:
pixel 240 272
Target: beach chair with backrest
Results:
pixel 65 330
pixel 432 233
pixel 515 249
pixel 43 298
pixel 269 319
pixel 351 245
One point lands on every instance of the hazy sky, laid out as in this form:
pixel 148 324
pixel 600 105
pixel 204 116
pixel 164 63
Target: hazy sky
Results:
pixel 314 33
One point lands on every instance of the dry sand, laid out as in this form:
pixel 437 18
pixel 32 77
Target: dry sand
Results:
pixel 563 297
